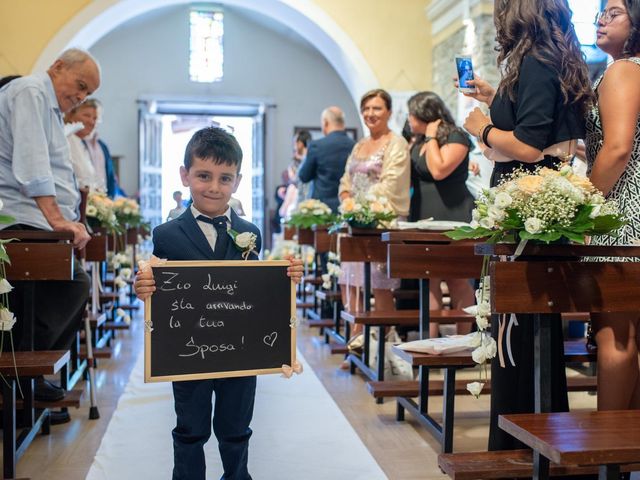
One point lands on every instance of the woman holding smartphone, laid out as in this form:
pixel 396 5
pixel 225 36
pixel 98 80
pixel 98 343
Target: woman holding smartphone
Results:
pixel 613 157
pixel 537 116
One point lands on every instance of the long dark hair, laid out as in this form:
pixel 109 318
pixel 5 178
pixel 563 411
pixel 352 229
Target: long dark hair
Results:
pixel 543 29
pixel 632 45
pixel 429 107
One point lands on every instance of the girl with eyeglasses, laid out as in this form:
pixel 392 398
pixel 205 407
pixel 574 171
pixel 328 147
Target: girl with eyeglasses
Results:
pixel 613 157
pixel 537 116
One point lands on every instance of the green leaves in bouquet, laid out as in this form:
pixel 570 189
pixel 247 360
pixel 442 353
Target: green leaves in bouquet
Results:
pixel 606 224
pixel 3 251
pixel 307 221
pixel 465 233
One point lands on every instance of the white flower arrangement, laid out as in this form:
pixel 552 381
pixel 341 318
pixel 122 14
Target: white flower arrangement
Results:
pixel 311 212
pixel 545 205
pixel 101 212
pixel 333 270
pixel 7 318
pixel 127 212
pixel 366 211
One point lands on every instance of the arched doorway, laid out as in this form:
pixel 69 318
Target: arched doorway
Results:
pixel 309 20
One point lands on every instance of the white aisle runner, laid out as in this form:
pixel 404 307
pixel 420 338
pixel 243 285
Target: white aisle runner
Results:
pixel 298 433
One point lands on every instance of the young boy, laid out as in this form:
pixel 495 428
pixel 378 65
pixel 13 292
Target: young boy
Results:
pixel 212 172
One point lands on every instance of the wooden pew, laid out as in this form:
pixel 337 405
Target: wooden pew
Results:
pixel 553 279
pixel 36 256
pixel 424 255
pixel 604 439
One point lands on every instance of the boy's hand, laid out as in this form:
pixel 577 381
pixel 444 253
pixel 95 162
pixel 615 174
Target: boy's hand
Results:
pixel 144 284
pixel 295 269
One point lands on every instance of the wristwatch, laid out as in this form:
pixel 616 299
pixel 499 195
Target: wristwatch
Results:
pixel 427 138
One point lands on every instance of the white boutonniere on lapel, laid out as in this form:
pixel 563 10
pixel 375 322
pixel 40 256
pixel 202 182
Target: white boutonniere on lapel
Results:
pixel 245 242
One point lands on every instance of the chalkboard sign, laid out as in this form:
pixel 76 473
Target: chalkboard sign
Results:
pixel 219 319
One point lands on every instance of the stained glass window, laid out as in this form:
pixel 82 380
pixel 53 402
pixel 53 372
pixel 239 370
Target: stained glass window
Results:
pixel 206 53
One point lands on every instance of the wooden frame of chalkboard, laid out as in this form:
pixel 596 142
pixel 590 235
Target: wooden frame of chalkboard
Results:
pixel 219 319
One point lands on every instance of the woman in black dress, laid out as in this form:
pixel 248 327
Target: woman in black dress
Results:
pixel 439 171
pixel 537 115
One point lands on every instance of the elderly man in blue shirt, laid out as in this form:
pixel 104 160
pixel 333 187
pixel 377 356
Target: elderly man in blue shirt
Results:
pixel 38 188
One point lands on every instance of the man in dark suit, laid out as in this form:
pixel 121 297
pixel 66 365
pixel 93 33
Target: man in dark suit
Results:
pixel 326 159
pixel 210 230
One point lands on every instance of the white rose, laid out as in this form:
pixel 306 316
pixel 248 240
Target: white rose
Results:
pixel 484 310
pixel 597 199
pixel 482 322
pixel 490 346
pixel 326 281
pixel 487 222
pixel 496 213
pixel 5 286
pixel 91 211
pixel 533 225
pixel 357 207
pixel 7 320
pixel 475 214
pixel 503 200
pixel 596 211
pixel 125 273
pixel 475 388
pixel 245 240
pixel 480 354
pixel 126 211
pixel 476 340
pixel 318 211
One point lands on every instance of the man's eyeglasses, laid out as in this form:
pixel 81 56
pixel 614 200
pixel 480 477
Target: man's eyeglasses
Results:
pixel 607 16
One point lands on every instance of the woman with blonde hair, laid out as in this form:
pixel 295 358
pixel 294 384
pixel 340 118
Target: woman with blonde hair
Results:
pixel 378 166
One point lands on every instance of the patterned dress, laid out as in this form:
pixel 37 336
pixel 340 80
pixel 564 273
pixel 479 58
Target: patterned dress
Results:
pixel 365 172
pixel 626 191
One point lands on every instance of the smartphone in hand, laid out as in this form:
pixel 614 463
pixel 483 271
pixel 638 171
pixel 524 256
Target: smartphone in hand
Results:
pixel 464 67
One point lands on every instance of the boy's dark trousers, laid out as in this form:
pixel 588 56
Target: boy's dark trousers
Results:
pixel 234 399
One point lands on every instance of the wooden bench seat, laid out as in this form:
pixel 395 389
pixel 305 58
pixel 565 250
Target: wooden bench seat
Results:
pixel 505 464
pixel 409 388
pixel 312 279
pixel 328 295
pixel 72 398
pixel 338 349
pixel 116 326
pixel 33 364
pixel 321 323
pixel 408 318
pixel 304 305
pixel 103 352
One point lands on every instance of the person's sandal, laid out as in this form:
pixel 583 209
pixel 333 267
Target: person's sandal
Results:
pixel 355 343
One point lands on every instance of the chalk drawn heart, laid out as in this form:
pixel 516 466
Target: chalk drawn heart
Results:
pixel 270 339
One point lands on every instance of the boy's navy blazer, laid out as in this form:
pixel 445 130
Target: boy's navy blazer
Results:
pixel 182 239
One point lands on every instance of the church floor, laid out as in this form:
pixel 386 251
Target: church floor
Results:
pixel 404 450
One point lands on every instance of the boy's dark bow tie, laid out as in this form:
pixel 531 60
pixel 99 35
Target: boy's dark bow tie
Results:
pixel 220 222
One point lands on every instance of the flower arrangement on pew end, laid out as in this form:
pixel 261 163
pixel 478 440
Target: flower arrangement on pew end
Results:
pixel 366 211
pixel 101 213
pixel 544 206
pixel 311 212
pixel 128 213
